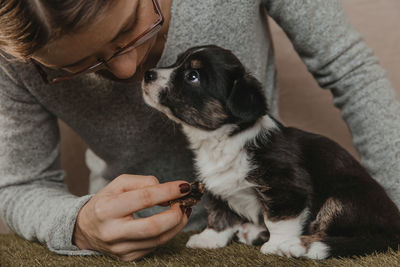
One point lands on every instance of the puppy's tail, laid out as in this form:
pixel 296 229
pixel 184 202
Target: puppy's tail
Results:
pixel 360 245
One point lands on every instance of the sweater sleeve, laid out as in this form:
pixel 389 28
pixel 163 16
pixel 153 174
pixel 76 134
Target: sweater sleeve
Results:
pixel 340 60
pixel 34 201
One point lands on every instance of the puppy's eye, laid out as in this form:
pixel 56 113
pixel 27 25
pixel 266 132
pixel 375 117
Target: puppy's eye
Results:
pixel 192 76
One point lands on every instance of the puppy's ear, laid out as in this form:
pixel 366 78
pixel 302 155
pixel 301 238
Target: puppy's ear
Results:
pixel 247 102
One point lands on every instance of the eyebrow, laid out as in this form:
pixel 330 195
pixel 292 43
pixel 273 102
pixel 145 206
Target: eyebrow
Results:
pixel 130 19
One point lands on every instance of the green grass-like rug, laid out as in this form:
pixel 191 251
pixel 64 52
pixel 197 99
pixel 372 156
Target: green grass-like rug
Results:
pixel 15 251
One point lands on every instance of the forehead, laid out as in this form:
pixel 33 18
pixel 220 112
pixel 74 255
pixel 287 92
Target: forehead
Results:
pixel 211 58
pixel 192 55
pixel 73 47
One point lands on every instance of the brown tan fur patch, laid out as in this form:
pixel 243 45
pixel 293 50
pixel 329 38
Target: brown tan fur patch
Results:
pixel 307 240
pixel 211 116
pixel 196 64
pixel 214 112
pixel 329 210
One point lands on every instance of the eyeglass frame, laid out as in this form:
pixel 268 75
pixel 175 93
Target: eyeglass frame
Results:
pixel 139 40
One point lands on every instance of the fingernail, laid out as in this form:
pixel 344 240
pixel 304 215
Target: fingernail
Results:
pixel 184 188
pixel 188 211
pixel 183 209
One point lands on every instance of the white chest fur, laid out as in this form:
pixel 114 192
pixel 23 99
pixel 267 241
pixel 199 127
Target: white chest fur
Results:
pixel 223 165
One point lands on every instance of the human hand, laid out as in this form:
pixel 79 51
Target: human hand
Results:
pixel 105 223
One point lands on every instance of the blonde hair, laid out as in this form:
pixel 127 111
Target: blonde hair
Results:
pixel 27 25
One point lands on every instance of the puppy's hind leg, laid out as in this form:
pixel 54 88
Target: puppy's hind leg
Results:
pixel 251 234
pixel 321 246
pixel 348 246
pixel 222 226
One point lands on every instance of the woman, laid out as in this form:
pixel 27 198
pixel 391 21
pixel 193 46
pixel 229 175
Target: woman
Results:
pixel 81 62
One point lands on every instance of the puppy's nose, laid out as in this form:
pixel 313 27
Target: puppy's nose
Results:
pixel 150 76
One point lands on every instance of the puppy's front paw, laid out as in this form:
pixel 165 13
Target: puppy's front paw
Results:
pixel 291 248
pixel 209 239
pixel 318 251
pixel 269 247
pixel 286 246
pixel 199 241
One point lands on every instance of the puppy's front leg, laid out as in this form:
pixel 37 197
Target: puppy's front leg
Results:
pixel 285 236
pixel 210 238
pixel 222 225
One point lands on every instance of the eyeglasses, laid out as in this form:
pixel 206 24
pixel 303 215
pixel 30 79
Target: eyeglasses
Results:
pixel 141 38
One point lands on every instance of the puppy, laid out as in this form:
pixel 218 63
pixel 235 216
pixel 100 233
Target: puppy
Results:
pixel 313 198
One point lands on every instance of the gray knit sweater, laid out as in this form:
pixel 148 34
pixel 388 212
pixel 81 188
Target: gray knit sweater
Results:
pixel 132 138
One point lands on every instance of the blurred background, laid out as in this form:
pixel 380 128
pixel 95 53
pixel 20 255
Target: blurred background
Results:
pixel 302 103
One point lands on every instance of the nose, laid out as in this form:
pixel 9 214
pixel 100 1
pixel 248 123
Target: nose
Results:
pixel 124 66
pixel 150 76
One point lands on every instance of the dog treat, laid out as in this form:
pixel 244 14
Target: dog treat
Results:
pixel 191 199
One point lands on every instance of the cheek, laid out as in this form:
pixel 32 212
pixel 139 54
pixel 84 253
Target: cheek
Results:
pixel 195 109
pixel 211 115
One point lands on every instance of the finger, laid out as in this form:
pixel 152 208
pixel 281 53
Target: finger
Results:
pixel 129 202
pixel 153 226
pixel 164 237
pixel 128 182
pixel 126 247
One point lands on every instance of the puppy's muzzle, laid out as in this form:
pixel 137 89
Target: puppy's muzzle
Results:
pixel 154 82
pixel 150 76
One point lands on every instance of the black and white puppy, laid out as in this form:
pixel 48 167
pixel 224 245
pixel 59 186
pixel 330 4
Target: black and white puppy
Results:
pixel 312 196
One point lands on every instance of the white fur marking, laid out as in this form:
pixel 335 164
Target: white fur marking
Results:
pixel 318 251
pixel 291 248
pixel 284 231
pixel 151 91
pixel 209 239
pixel 96 166
pixel 223 164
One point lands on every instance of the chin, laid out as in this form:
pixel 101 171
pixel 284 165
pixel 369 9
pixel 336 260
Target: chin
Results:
pixel 297 194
